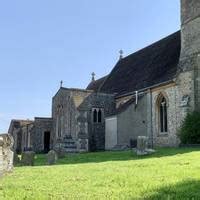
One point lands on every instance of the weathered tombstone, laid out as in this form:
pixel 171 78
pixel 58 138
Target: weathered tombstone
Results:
pixel 52 157
pixel 10 161
pixel 6 154
pixel 59 150
pixel 142 145
pixel 28 158
pixel 82 145
pixel 10 153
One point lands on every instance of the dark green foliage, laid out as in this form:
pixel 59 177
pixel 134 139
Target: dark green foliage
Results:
pixel 189 132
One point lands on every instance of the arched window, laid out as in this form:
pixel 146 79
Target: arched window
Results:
pixel 163 115
pixel 95 116
pixel 99 116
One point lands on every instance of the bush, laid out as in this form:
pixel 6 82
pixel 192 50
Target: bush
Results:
pixel 189 132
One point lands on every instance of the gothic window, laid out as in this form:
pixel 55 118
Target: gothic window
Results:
pixel 163 115
pixel 97 114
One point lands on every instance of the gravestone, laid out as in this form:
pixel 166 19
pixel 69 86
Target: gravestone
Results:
pixel 82 145
pixel 28 158
pixel 52 157
pixel 142 146
pixel 6 154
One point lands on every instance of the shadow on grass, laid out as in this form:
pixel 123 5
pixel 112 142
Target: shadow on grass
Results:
pixel 187 189
pixel 99 157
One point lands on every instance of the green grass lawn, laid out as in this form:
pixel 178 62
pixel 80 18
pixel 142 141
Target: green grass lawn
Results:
pixel 167 174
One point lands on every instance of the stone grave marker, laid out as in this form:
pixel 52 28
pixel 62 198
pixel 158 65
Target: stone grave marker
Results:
pixel 28 158
pixel 6 154
pixel 52 157
pixel 142 146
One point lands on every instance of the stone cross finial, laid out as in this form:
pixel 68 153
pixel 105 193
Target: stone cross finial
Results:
pixel 93 76
pixel 121 54
pixel 61 83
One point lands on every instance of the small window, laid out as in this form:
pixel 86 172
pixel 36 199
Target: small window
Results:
pixel 99 116
pixel 163 116
pixel 95 116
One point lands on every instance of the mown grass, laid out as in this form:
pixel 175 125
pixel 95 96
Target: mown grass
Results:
pixel 167 174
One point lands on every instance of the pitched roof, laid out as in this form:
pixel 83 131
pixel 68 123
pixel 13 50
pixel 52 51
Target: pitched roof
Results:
pixel 123 106
pixel 95 85
pixel 152 65
pixel 18 123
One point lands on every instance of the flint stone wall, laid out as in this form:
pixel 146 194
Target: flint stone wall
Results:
pixel 189 64
pixel 74 107
pixel 176 112
pixel 41 125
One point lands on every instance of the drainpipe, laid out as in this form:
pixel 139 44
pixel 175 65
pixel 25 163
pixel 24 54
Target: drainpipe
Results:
pixel 151 118
pixel 136 97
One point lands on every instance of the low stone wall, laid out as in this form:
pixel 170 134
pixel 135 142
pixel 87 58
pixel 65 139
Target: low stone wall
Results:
pixel 6 154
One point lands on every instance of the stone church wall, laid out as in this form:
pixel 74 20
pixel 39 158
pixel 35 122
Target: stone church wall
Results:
pixel 189 65
pixel 96 131
pixel 132 122
pixel 143 119
pixel 41 125
pixel 74 107
pixel 171 94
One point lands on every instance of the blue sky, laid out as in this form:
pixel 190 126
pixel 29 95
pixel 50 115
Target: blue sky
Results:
pixel 45 41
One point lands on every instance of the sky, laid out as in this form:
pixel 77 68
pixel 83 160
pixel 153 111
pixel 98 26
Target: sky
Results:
pixel 45 41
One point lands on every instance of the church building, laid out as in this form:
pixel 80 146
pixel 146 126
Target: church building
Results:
pixel 147 93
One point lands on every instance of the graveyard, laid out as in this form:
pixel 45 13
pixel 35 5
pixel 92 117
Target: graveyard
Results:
pixel 169 173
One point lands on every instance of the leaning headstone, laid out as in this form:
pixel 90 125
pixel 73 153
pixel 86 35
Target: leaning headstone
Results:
pixel 28 158
pixel 52 157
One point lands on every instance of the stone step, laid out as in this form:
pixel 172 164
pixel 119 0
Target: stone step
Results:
pixel 69 146
pixel 68 140
pixel 120 148
pixel 70 150
pixel 69 143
